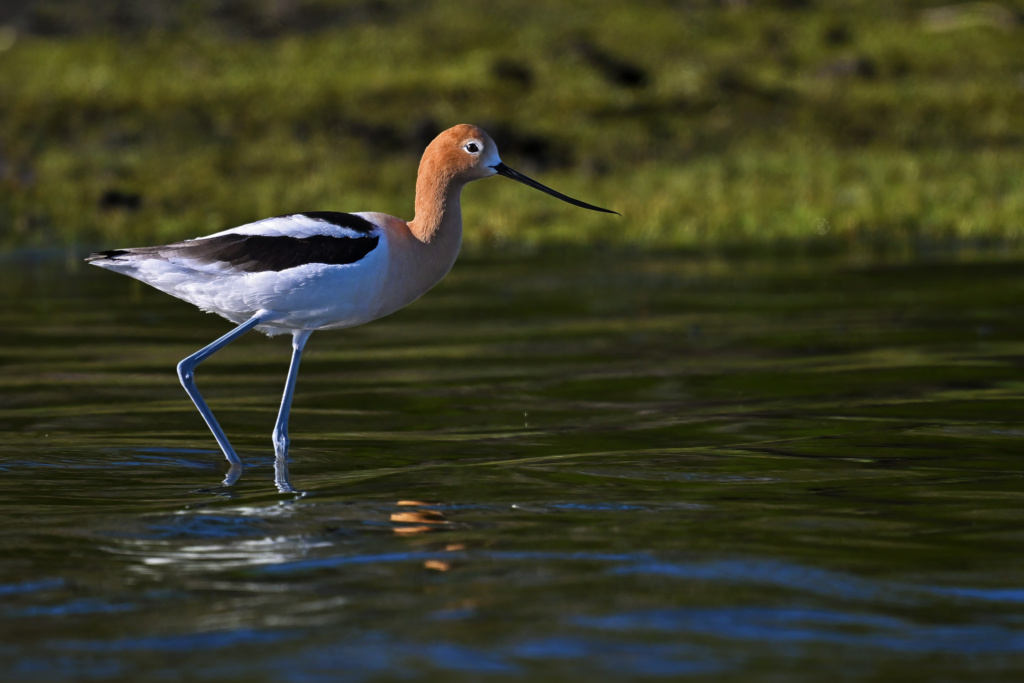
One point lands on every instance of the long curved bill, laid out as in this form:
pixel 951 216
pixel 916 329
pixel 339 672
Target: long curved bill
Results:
pixel 504 170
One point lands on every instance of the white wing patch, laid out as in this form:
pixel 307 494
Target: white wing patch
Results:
pixel 298 225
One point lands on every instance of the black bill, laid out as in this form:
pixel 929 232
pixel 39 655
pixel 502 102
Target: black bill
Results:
pixel 504 170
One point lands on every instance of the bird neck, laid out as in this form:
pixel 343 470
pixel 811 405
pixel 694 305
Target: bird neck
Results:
pixel 438 206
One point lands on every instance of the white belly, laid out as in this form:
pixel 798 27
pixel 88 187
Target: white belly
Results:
pixel 311 296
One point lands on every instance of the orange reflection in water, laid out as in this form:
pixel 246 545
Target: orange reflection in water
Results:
pixel 421 520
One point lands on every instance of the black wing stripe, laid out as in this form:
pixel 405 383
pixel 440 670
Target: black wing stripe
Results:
pixel 342 220
pixel 260 253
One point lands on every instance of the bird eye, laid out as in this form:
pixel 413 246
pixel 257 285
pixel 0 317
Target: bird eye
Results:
pixel 473 147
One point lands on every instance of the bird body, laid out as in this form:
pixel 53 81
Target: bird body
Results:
pixel 308 271
pixel 320 270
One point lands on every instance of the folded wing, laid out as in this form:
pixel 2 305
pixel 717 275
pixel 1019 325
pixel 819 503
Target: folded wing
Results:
pixel 274 244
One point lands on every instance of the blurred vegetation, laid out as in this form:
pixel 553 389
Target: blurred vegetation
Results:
pixel 707 124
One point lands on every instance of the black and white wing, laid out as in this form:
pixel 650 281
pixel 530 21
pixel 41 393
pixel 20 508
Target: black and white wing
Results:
pixel 273 244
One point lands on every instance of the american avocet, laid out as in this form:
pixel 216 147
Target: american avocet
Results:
pixel 320 270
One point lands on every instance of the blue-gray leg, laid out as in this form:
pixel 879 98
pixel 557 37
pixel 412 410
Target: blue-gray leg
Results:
pixel 299 339
pixel 187 375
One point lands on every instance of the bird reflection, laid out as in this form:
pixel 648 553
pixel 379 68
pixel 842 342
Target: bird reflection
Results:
pixel 424 518
pixel 282 478
pixel 418 521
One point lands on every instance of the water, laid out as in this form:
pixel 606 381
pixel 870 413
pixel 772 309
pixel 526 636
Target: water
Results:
pixel 559 468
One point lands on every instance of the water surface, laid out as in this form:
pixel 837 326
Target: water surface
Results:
pixel 568 467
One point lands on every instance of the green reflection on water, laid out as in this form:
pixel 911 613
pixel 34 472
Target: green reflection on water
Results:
pixel 558 467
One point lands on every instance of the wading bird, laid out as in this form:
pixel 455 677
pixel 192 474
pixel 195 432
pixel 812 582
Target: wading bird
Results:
pixel 320 270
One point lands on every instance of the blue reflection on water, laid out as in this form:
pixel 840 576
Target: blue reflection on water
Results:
pixel 793 576
pixel 794 625
pixel 200 527
pixel 1007 595
pixel 598 507
pixel 628 658
pixel 190 642
pixel 71 607
pixel 814 581
pixel 30 586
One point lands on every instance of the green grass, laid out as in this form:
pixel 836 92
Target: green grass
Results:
pixel 826 125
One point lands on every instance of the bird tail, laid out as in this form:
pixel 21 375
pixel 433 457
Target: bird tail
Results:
pixel 108 255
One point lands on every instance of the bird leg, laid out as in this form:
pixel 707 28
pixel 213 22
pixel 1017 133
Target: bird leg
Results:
pixel 186 373
pixel 281 477
pixel 299 339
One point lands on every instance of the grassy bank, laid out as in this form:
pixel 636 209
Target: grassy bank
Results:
pixel 703 123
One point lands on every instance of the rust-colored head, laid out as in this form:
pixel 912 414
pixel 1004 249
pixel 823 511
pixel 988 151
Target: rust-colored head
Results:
pixel 462 153
pixel 465 153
